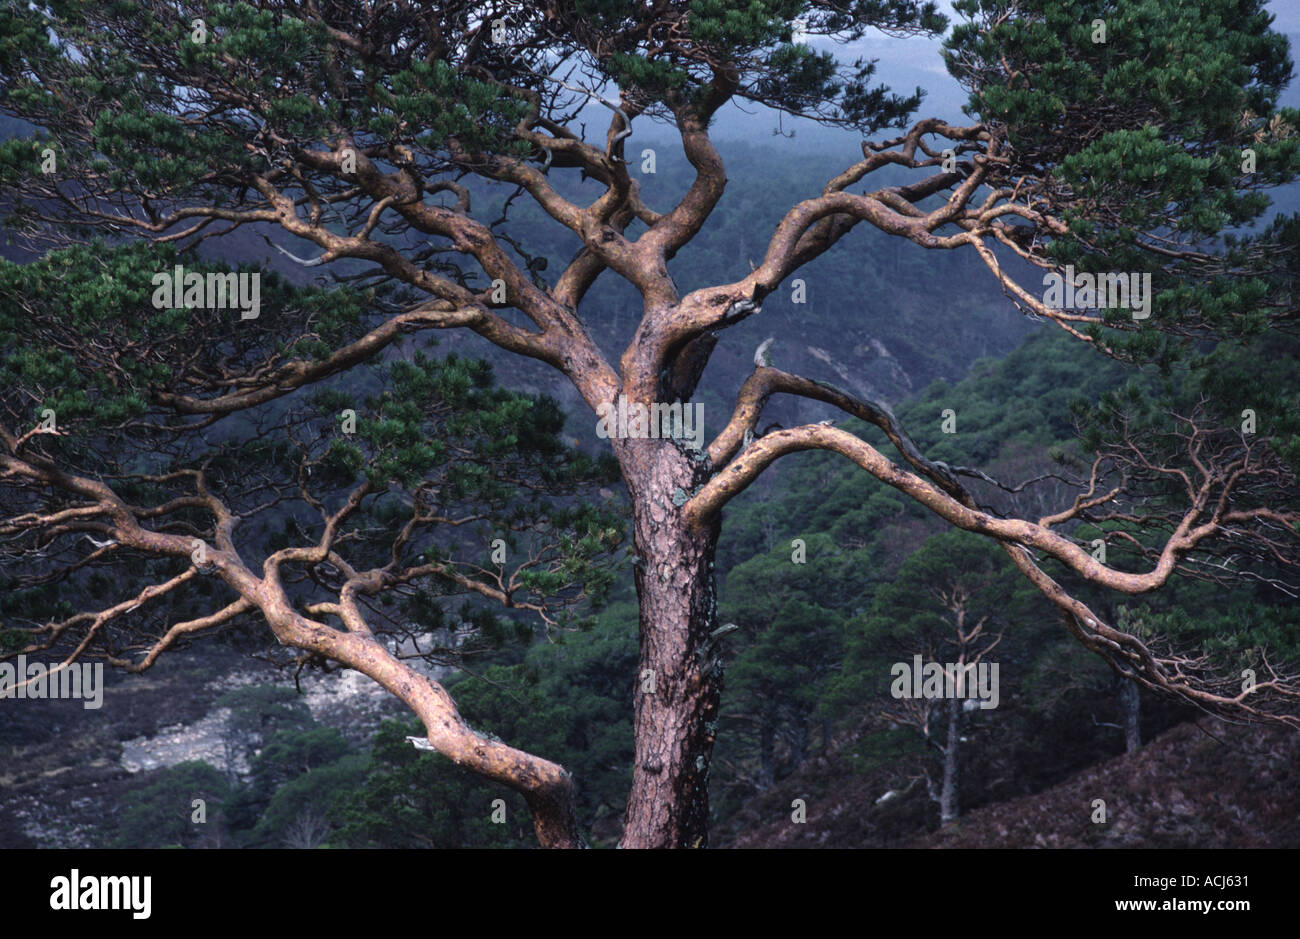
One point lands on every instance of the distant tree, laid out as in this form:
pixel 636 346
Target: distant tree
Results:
pixel 162 814
pixel 258 713
pixel 284 757
pixel 1106 139
pixel 298 814
pixel 309 830
pixel 787 608
pixel 949 604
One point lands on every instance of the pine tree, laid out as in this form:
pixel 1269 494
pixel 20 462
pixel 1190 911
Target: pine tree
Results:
pixel 1109 142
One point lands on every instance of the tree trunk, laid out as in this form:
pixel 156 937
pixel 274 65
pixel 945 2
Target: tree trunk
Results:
pixel 679 678
pixel 1129 702
pixel 798 742
pixel 948 794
